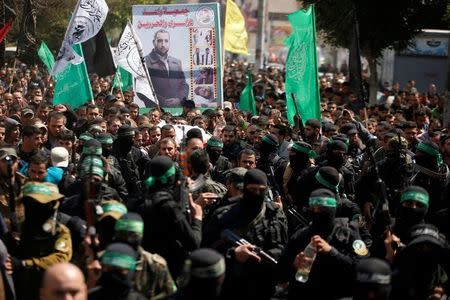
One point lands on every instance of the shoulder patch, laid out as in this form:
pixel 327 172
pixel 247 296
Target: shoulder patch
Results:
pixel 359 247
pixel 62 245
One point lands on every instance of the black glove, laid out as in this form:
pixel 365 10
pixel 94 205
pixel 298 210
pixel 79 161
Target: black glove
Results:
pixel 17 264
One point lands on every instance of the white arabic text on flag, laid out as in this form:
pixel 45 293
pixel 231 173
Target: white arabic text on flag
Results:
pixel 127 56
pixel 86 22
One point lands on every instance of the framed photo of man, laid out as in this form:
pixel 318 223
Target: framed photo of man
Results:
pixel 182 52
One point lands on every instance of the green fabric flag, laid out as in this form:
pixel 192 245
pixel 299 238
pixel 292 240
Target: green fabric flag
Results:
pixel 123 80
pixel 301 67
pixel 72 85
pixel 247 99
pixel 46 56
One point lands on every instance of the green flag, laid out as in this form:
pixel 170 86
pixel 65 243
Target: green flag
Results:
pixel 123 79
pixel 301 67
pixel 247 99
pixel 46 56
pixel 72 84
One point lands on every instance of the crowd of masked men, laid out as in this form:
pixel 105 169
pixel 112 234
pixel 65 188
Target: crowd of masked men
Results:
pixel 219 204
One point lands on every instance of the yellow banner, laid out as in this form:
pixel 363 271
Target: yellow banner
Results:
pixel 235 36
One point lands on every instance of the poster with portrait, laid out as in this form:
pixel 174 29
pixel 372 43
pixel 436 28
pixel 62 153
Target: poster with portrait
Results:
pixel 182 50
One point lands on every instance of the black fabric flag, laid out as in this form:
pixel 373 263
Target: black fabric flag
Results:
pixel 27 43
pixel 355 72
pixel 97 54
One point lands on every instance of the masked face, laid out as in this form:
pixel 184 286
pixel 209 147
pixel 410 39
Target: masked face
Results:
pixel 411 215
pixel 297 161
pixel 254 194
pixel 116 281
pixel 37 213
pixel 214 153
pixel 322 219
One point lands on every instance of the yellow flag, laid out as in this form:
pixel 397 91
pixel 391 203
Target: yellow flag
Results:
pixel 235 36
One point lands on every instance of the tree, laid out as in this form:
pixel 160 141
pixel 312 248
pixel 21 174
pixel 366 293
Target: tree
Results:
pixel 382 24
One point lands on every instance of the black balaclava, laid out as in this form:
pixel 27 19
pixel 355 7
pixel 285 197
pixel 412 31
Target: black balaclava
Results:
pixel 106 140
pixel 269 145
pixel 334 158
pixel 300 155
pixel 323 221
pixel 203 273
pixel 373 280
pixel 419 260
pixel 105 230
pixel 84 137
pixel 129 229
pixel 428 156
pixel 114 283
pixel 162 172
pixel 409 216
pixel 37 213
pixel 124 141
pixel 214 149
pixel 250 199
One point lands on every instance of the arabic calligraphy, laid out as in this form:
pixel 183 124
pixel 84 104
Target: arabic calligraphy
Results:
pixel 165 24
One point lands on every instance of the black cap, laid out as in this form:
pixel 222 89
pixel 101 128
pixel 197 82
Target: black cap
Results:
pixel 255 176
pixel 373 271
pixel 206 264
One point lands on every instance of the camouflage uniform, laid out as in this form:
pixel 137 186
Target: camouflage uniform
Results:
pixel 39 249
pixel 152 277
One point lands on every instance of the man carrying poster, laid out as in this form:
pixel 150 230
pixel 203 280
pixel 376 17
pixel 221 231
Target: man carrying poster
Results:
pixel 166 72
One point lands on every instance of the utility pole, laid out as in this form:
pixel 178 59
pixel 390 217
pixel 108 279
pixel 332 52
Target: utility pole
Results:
pixel 260 39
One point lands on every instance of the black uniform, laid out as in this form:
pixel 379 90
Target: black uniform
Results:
pixel 332 273
pixel 267 230
pixel 168 230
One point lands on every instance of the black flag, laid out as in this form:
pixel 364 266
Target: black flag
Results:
pixel 97 55
pixel 355 72
pixel 27 43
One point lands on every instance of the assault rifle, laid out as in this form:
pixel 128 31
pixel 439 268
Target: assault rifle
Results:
pixel 298 217
pixel 230 236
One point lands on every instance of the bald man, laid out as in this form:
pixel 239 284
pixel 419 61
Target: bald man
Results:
pixel 63 281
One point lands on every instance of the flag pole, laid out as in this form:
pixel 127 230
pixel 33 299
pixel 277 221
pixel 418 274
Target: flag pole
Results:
pixel 12 75
pixel 144 65
pixel 120 83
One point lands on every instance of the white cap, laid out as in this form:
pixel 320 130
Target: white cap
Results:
pixel 227 104
pixel 60 157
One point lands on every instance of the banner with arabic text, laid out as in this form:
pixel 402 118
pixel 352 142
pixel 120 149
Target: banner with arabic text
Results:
pixel 182 51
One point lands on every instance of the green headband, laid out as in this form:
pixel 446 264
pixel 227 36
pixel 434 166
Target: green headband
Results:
pixel 106 140
pixel 311 153
pixel 115 207
pixel 119 260
pixel 129 225
pixel 431 151
pixel 322 201
pixel 163 179
pixel 324 182
pixel 92 151
pixel 36 189
pixel 85 137
pixel 215 143
pixel 269 141
pixel 415 196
